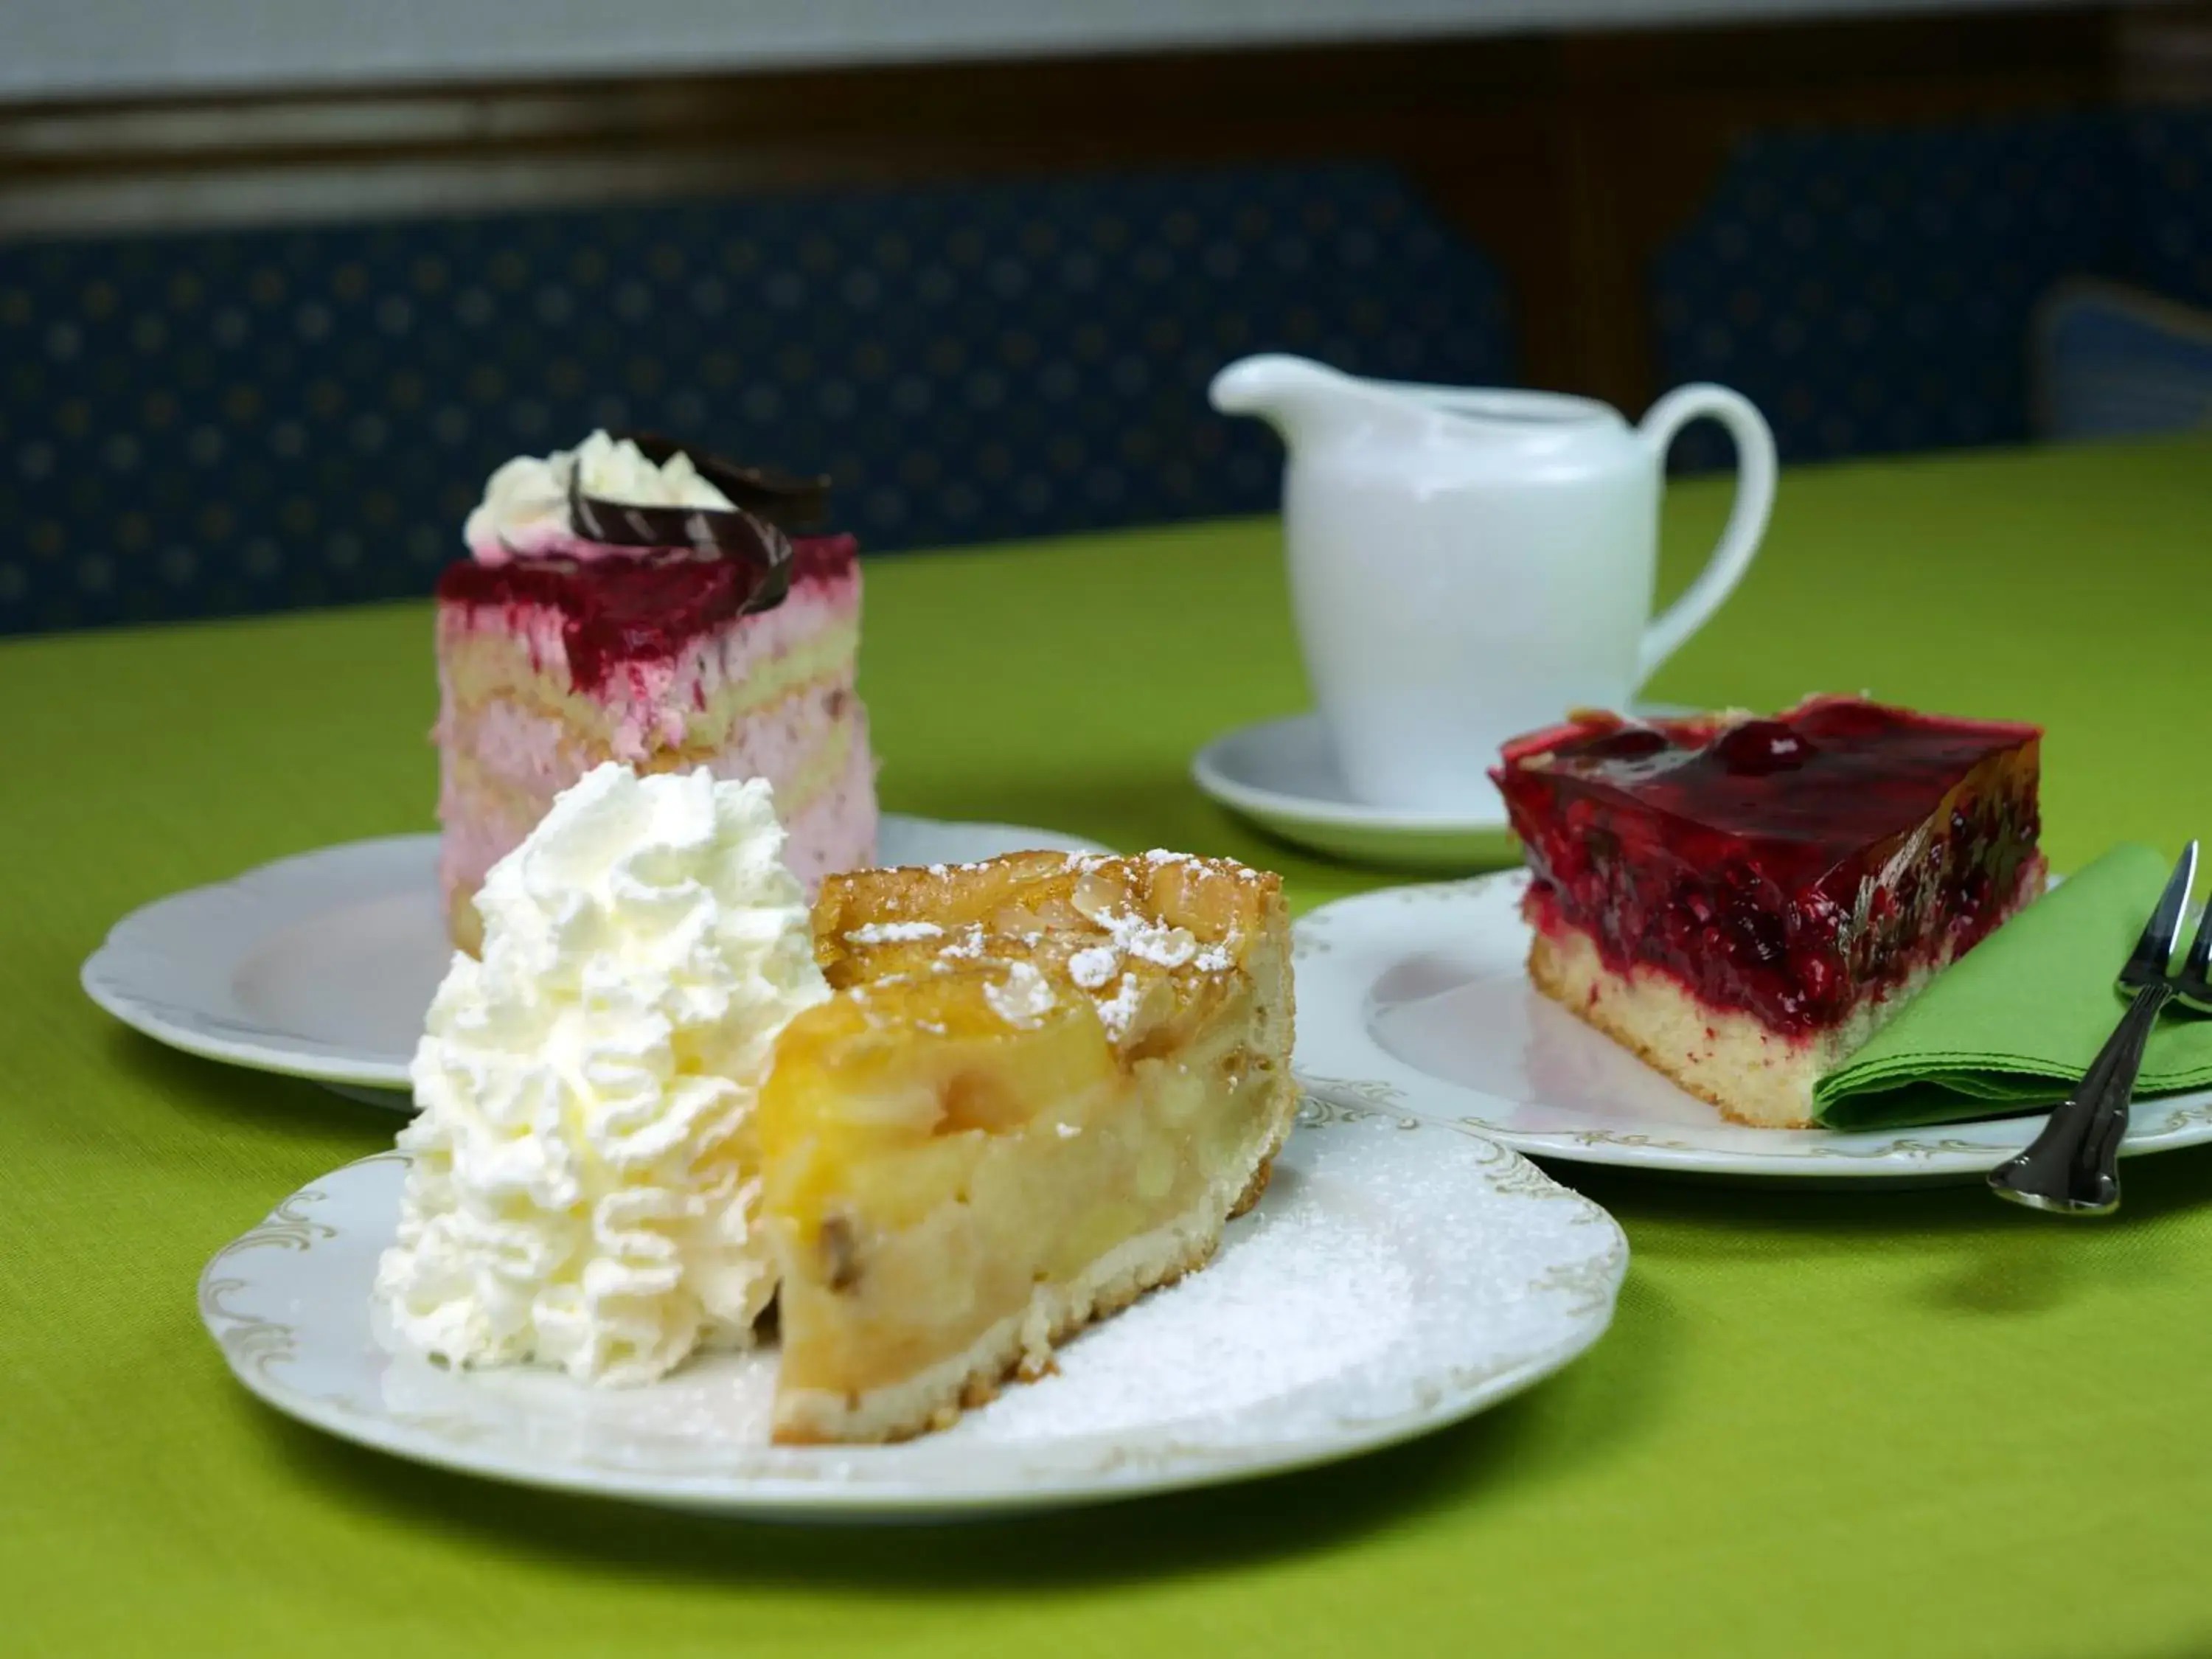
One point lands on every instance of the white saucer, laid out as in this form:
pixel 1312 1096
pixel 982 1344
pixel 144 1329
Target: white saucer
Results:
pixel 1282 774
pixel 322 966
pixel 1415 1000
pixel 1397 1277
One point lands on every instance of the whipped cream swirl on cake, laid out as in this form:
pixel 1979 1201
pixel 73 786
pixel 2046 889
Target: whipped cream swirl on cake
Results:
pixel 585 1186
pixel 525 503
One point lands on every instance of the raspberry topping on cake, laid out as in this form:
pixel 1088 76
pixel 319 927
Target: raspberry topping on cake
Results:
pixel 645 607
pixel 1777 866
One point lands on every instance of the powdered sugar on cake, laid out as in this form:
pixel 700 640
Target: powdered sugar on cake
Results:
pixel 1092 967
pixel 1149 941
pixel 968 947
pixel 890 933
pixel 1115 1012
pixel 1023 998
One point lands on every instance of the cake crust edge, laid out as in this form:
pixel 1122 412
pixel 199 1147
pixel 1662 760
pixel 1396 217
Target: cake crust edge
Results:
pixel 1647 1013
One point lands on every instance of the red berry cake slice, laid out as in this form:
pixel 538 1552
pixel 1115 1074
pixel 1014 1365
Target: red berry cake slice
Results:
pixel 1743 901
pixel 628 601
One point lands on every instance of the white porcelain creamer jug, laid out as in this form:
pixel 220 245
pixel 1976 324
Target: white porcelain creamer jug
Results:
pixel 1467 565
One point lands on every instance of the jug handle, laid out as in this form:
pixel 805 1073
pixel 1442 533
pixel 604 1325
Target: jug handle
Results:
pixel 1746 520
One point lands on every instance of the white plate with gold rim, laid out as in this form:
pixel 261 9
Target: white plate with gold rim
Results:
pixel 1417 999
pixel 322 965
pixel 1398 1276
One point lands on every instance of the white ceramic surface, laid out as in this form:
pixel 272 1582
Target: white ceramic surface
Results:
pixel 1465 564
pixel 1415 1000
pixel 1398 1276
pixel 323 965
pixel 1283 776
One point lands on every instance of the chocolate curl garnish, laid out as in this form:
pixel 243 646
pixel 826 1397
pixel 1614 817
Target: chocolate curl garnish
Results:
pixel 750 532
pixel 781 498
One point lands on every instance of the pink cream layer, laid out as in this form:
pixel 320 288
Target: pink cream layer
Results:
pixel 648 701
pixel 505 744
pixel 831 828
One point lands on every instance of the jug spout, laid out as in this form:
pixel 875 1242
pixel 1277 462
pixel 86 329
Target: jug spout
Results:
pixel 1296 395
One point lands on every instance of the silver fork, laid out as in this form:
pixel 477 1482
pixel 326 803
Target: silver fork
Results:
pixel 2192 987
pixel 2072 1167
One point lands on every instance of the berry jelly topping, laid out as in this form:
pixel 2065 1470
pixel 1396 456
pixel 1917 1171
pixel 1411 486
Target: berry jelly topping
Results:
pixel 641 607
pixel 1789 867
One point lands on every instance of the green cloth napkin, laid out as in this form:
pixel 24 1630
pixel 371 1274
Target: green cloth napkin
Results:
pixel 2016 1021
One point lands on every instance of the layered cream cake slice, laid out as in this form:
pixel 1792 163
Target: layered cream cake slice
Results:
pixel 631 601
pixel 1043 1086
pixel 1743 901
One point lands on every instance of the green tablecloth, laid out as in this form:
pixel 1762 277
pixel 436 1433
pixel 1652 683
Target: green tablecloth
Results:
pixel 1914 1422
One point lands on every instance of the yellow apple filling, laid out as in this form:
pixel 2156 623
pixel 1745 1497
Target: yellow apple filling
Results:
pixel 969 1156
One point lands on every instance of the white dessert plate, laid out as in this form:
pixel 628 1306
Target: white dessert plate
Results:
pixel 322 966
pixel 1416 999
pixel 1283 776
pixel 1398 1276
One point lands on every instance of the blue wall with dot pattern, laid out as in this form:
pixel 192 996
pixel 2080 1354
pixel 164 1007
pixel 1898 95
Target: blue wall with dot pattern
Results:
pixel 215 422
pixel 2170 155
pixel 1875 291
pixel 1872 290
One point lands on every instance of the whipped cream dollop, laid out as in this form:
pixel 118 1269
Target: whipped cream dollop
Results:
pixel 584 1187
pixel 525 508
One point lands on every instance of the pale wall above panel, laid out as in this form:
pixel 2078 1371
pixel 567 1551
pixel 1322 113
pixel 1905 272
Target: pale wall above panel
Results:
pixel 58 49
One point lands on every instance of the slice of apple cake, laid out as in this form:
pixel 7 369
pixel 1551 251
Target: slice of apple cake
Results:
pixel 1044 1086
